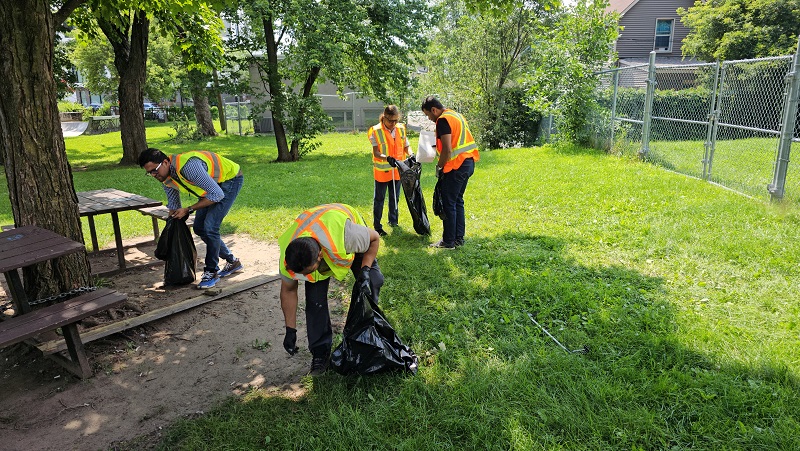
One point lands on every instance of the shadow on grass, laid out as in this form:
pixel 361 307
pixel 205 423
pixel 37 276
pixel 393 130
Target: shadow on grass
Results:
pixel 490 379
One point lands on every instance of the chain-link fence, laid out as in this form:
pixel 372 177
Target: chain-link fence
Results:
pixel 732 123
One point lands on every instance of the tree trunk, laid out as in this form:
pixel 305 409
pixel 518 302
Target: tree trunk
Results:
pixel 202 111
pixel 130 59
pixel 38 174
pixel 301 116
pixel 276 91
pixel 223 123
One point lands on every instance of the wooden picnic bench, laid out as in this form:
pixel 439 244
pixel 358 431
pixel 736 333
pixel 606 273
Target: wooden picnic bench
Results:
pixel 64 315
pixel 160 212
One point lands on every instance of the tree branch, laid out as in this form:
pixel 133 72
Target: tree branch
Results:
pixel 62 14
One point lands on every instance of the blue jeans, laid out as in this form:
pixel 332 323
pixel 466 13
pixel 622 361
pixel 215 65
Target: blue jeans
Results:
pixel 207 222
pixel 454 183
pixel 378 200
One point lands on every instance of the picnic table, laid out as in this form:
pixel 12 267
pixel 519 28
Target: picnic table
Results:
pixel 25 246
pixel 111 201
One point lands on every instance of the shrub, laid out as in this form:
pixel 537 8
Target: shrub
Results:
pixel 65 106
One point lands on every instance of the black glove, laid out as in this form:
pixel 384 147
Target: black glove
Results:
pixel 439 172
pixel 290 341
pixel 392 162
pixel 363 281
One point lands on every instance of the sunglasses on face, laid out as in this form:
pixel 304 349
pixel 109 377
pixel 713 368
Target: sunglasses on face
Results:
pixel 154 171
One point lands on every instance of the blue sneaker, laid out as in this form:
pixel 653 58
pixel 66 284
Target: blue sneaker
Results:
pixel 209 280
pixel 231 267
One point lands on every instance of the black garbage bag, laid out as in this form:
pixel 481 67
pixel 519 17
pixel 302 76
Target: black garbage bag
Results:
pixel 410 170
pixel 176 248
pixel 370 345
pixel 438 203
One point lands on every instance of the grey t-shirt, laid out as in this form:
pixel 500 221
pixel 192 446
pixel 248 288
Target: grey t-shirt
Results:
pixel 356 240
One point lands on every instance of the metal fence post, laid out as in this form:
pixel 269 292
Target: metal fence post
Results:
pixel 614 107
pixel 648 106
pixel 711 131
pixel 778 186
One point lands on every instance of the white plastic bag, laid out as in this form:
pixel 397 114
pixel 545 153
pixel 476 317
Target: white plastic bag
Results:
pixel 426 149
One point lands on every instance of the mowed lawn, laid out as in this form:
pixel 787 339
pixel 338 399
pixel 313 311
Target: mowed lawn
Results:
pixel 685 293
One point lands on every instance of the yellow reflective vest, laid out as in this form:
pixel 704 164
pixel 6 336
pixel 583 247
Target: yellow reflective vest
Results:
pixel 324 223
pixel 219 169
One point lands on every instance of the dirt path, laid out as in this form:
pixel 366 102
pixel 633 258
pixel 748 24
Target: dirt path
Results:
pixel 149 376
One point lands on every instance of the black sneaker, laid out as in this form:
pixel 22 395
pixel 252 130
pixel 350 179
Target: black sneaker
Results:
pixel 319 365
pixel 459 243
pixel 381 232
pixel 393 224
pixel 231 267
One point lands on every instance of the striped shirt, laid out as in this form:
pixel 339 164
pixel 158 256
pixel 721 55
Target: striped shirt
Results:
pixel 196 172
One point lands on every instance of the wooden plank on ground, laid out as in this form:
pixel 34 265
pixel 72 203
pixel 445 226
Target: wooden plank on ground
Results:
pixel 95 333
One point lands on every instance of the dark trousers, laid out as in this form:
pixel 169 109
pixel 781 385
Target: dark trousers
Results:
pixel 454 183
pixel 378 200
pixel 318 318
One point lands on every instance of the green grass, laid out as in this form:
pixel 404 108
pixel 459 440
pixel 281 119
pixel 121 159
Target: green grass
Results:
pixel 745 165
pixel 686 294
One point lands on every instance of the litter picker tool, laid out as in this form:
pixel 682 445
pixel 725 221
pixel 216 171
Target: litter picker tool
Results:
pixel 583 350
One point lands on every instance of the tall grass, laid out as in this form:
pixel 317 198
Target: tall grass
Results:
pixel 685 293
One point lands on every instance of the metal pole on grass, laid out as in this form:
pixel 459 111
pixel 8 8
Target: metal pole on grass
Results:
pixel 239 115
pixel 648 106
pixel 778 186
pixel 711 131
pixel 614 105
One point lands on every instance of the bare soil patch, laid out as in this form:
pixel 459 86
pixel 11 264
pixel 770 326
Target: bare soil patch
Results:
pixel 149 376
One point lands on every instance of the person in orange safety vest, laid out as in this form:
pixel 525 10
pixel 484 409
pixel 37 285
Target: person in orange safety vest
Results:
pixel 389 144
pixel 457 154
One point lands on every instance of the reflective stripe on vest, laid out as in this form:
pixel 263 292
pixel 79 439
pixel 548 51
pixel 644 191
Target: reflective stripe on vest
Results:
pixel 463 145
pixel 382 167
pixel 219 169
pixel 313 223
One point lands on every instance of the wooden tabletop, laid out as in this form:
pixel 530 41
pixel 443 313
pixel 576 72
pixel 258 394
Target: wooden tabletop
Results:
pixel 25 246
pixel 110 200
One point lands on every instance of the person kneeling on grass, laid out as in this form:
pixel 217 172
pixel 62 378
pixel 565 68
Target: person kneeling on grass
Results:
pixel 324 241
pixel 216 182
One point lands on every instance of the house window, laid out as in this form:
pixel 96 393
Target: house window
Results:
pixel 663 41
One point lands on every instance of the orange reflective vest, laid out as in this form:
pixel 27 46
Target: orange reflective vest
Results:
pixel 393 147
pixel 462 143
pixel 324 223
pixel 219 169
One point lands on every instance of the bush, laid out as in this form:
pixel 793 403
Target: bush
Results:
pixel 511 124
pixel 104 110
pixel 176 111
pixel 64 106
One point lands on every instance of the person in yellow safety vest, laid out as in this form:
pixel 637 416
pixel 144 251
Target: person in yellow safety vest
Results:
pixel 215 181
pixel 457 154
pixel 324 241
pixel 389 144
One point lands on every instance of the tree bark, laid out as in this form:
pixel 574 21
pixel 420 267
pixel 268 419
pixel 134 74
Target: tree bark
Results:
pixel 130 59
pixel 223 123
pixel 301 116
pixel 38 174
pixel 202 111
pixel 276 91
